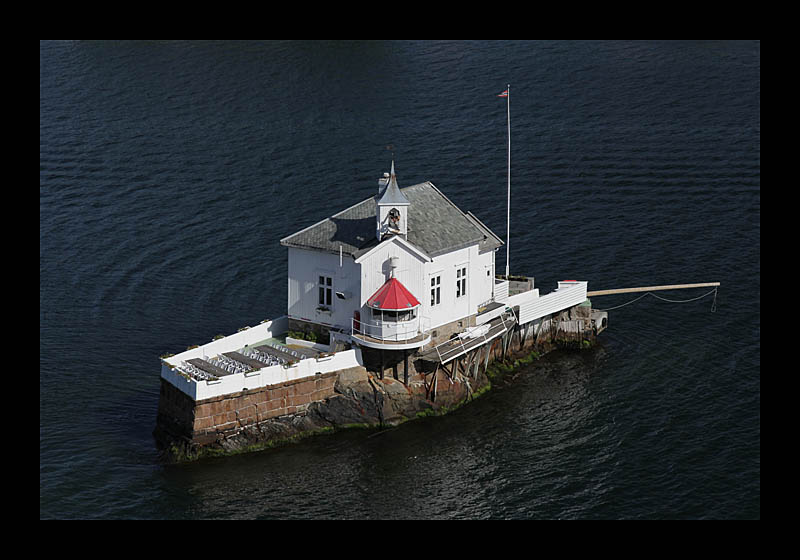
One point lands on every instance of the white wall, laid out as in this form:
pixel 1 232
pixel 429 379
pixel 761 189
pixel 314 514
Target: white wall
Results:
pixel 268 375
pixel 364 278
pixel 415 273
pixel 375 272
pixel 305 268
pixel 271 375
pixel 532 306
pixel 501 290
pixel 479 285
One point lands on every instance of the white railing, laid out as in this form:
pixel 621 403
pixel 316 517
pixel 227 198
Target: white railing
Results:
pixel 500 290
pixel 507 320
pixel 532 306
pixel 235 341
pixel 392 331
pixel 199 389
pixel 197 384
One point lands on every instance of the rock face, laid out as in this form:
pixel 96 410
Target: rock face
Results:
pixel 283 413
pixel 360 399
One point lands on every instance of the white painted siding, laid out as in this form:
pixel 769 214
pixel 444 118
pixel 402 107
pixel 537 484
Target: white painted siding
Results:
pixel 305 268
pixel 487 280
pixel 532 306
pixel 375 270
pixel 415 272
pixel 501 290
pixel 453 308
pixel 363 278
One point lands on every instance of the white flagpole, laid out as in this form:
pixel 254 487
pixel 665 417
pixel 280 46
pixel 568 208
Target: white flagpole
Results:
pixel 508 209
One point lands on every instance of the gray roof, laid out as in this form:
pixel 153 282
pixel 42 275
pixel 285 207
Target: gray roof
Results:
pixel 435 225
pixel 392 195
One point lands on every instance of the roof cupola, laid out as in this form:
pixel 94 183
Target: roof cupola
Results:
pixel 391 213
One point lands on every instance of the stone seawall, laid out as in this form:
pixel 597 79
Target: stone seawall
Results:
pixel 268 416
pixel 182 421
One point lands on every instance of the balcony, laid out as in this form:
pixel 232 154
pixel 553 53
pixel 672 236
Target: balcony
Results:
pixel 392 330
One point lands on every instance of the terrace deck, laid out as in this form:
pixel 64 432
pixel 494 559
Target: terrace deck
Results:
pixel 457 346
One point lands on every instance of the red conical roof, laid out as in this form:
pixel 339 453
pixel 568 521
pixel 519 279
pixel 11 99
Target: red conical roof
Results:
pixel 393 296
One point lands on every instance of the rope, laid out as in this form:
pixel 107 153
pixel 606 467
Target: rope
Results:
pixel 713 304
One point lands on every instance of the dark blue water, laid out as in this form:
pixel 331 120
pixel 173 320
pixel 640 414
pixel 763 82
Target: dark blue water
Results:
pixel 170 170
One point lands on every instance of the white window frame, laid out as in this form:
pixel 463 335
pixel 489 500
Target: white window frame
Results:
pixel 436 288
pixel 325 289
pixel 461 281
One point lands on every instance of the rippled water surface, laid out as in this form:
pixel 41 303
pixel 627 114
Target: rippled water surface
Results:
pixel 170 170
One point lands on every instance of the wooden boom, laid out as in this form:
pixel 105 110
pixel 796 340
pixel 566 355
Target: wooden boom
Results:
pixel 650 289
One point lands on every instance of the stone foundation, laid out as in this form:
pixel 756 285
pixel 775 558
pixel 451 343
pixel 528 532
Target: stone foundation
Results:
pixel 444 332
pixel 182 420
pixel 264 417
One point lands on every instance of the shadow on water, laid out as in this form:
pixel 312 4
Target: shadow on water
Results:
pixel 525 424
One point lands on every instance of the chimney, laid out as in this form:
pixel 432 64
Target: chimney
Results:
pixel 382 182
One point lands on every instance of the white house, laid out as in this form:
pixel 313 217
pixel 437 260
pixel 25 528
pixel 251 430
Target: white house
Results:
pixel 393 271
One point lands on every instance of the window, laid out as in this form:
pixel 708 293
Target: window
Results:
pixel 393 316
pixel 406 315
pixel 325 290
pixel 436 294
pixel 394 219
pixel 461 282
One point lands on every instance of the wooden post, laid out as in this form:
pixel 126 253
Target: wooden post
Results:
pixel 382 362
pixel 405 366
pixel 444 369
pixel 429 388
pixel 651 289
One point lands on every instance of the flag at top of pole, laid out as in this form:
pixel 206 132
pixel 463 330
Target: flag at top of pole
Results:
pixel 508 208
